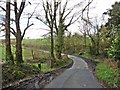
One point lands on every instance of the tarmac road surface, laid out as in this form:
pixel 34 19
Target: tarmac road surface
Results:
pixel 78 76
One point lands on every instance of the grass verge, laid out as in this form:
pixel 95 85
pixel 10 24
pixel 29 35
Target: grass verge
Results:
pixel 12 73
pixel 106 71
pixel 108 75
pixel 63 63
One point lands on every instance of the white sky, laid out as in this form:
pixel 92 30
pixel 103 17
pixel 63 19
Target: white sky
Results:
pixel 100 6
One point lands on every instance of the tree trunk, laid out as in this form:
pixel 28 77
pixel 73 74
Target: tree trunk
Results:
pixel 97 47
pixel 59 44
pixel 9 56
pixel 52 49
pixel 98 41
pixel 19 57
pixel 85 39
pixel 60 39
pixel 93 46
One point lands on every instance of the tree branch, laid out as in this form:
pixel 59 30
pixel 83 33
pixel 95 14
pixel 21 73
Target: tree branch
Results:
pixel 44 22
pixel 22 6
pixel 3 8
pixel 26 29
pixel 12 29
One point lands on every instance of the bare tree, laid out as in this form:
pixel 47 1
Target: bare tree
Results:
pixel 56 14
pixel 83 30
pixel 92 30
pixel 64 14
pixel 50 15
pixel 18 34
pixel 9 56
pixel 61 27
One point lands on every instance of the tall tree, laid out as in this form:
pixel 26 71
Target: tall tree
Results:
pixel 9 56
pixel 19 56
pixel 64 14
pixel 50 15
pixel 93 31
pixel 50 10
pixel 18 33
pixel 61 27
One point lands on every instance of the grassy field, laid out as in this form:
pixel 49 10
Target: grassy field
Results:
pixel 28 54
pixel 43 44
pixel 36 42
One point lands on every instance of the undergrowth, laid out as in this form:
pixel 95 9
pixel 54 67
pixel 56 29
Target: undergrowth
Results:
pixel 11 73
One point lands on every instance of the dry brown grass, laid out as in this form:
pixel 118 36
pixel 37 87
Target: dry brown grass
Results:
pixel 112 63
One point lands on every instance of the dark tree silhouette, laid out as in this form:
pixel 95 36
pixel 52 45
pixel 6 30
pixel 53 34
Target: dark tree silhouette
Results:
pixel 9 56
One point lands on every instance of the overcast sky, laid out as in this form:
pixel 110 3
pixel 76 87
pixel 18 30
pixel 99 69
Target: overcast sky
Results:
pixel 98 7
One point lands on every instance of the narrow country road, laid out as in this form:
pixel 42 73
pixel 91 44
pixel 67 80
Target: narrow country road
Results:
pixel 78 76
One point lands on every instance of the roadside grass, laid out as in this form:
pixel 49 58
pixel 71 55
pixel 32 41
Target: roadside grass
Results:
pixel 13 73
pixel 65 61
pixel 57 65
pixel 106 70
pixel 108 75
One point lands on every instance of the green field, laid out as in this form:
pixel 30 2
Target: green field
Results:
pixel 36 42
pixel 27 54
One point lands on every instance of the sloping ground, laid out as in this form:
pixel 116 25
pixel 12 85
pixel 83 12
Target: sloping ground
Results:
pixel 39 81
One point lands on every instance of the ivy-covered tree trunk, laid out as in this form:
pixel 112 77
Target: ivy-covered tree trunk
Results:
pixel 92 46
pixel 60 39
pixel 9 56
pixel 59 44
pixel 19 57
